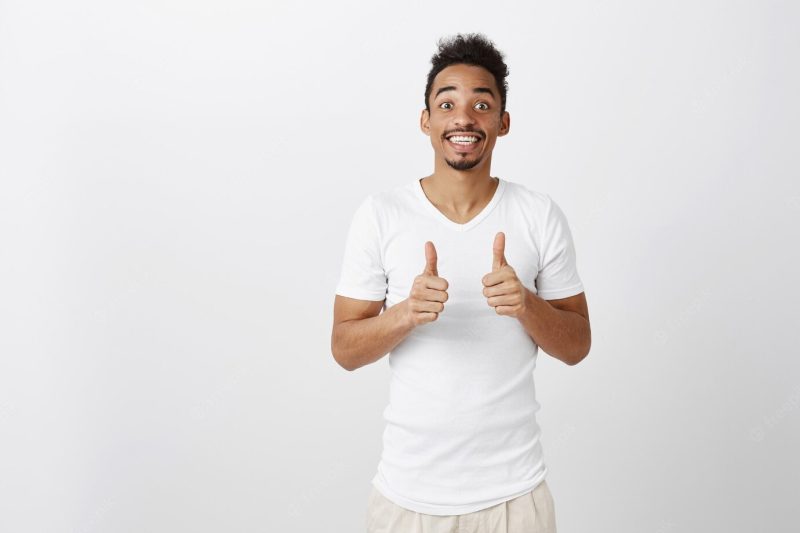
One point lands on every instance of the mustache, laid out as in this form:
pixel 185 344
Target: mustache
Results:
pixel 453 132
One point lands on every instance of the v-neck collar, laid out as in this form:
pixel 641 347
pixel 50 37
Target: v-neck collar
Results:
pixel 474 221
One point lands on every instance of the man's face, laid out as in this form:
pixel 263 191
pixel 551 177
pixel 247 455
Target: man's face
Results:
pixel 464 119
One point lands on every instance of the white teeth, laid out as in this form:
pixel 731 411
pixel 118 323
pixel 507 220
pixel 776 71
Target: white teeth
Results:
pixel 463 139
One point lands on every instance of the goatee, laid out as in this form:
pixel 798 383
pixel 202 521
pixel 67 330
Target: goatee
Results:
pixel 463 164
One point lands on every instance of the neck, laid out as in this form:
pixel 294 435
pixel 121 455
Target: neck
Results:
pixel 460 191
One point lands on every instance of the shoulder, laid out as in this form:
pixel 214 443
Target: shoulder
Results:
pixel 381 210
pixel 374 200
pixel 523 193
pixel 396 193
pixel 389 202
pixel 533 203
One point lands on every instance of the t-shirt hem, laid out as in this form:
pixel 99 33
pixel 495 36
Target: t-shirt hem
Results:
pixel 449 510
pixel 360 294
pixel 556 294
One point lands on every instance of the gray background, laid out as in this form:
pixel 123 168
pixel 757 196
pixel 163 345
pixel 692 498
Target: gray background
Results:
pixel 177 181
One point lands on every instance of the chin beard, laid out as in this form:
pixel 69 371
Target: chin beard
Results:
pixel 463 164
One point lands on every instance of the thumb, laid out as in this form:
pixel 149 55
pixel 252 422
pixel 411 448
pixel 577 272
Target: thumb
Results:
pixel 499 249
pixel 430 259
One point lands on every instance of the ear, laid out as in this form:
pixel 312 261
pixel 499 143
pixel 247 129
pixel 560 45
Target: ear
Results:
pixel 425 122
pixel 505 124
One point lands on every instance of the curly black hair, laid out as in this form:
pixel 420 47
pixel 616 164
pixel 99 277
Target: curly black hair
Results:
pixel 471 49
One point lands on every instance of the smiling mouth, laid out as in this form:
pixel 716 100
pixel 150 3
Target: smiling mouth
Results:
pixel 464 142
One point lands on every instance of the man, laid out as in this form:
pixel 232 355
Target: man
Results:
pixel 473 274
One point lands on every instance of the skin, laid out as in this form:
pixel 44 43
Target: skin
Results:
pixel 461 193
pixel 460 187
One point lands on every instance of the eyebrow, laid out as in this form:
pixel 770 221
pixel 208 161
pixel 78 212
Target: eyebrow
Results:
pixel 453 88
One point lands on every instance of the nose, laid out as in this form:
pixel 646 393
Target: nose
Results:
pixel 464 118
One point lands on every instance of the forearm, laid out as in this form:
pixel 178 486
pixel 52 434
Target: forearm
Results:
pixel 357 343
pixel 563 334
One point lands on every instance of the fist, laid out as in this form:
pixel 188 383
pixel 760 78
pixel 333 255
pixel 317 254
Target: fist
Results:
pixel 428 293
pixel 501 287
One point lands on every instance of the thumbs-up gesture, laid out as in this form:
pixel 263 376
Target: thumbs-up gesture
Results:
pixel 501 287
pixel 428 293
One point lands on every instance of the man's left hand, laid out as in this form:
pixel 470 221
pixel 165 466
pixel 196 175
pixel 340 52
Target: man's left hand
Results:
pixel 501 287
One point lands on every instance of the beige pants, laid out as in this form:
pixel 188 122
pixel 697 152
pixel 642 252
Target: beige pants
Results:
pixel 533 512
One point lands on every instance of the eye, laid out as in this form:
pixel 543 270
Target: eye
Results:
pixel 445 103
pixel 486 106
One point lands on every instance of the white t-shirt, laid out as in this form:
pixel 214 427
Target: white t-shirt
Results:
pixel 461 432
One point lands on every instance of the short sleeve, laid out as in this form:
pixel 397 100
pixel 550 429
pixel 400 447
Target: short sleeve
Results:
pixel 362 274
pixel 558 272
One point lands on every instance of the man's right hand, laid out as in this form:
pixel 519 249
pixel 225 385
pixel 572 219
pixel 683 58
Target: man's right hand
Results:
pixel 428 293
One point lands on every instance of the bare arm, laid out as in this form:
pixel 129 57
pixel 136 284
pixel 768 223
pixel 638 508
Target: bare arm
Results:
pixel 560 327
pixel 361 341
pixel 361 336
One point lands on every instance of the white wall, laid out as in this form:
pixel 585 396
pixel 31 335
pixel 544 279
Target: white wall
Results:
pixel 177 181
